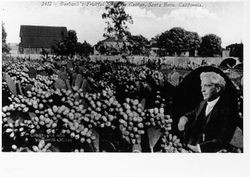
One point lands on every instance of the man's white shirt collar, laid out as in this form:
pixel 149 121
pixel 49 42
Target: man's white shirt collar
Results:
pixel 210 105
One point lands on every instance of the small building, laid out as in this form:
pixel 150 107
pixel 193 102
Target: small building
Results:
pixel 154 51
pixel 35 39
pixel 113 42
pixel 225 53
pixel 236 50
pixel 111 45
pixel 233 47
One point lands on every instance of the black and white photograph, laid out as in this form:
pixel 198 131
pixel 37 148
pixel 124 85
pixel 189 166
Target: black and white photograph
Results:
pixel 123 77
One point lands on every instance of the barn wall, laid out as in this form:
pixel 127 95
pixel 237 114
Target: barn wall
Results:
pixel 35 50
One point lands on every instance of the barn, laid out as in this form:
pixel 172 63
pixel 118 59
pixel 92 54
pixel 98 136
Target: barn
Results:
pixel 35 39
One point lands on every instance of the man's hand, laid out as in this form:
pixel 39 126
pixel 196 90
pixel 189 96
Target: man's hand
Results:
pixel 182 122
pixel 194 148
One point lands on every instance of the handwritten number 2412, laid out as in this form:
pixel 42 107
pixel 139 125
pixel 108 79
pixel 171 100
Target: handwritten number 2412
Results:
pixel 46 3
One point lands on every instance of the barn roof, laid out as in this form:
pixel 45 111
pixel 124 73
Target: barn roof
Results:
pixel 29 30
pixel 41 36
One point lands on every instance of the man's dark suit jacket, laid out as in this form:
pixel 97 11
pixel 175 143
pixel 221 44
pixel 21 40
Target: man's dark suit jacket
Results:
pixel 214 131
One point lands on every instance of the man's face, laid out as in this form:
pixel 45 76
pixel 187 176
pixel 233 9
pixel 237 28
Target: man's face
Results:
pixel 209 90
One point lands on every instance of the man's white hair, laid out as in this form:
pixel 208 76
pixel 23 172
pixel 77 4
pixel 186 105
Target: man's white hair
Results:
pixel 215 78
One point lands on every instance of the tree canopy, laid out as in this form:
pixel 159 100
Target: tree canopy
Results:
pixel 5 47
pixel 194 41
pixel 178 40
pixel 68 45
pixel 138 44
pixel 210 46
pixel 84 49
pixel 116 19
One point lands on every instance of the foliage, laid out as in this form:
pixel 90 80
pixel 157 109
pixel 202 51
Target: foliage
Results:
pixel 174 41
pixel 117 19
pixel 178 40
pixel 67 46
pixel 71 42
pixel 138 45
pixel 210 46
pixel 108 50
pixel 194 41
pixel 101 48
pixel 77 105
pixel 5 47
pixel 84 49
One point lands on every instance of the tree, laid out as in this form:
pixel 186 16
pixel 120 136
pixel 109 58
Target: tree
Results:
pixel 138 44
pixel 5 47
pixel 210 46
pixel 194 42
pixel 100 48
pixel 84 49
pixel 178 40
pixel 67 46
pixel 174 41
pixel 71 42
pixel 117 20
pixel 164 41
pixel 156 42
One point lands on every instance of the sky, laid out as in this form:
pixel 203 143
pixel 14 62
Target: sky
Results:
pixel 225 19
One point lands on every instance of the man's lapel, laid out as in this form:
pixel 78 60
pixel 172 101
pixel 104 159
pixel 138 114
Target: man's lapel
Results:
pixel 202 105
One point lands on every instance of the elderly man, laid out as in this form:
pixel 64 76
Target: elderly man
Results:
pixel 211 125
